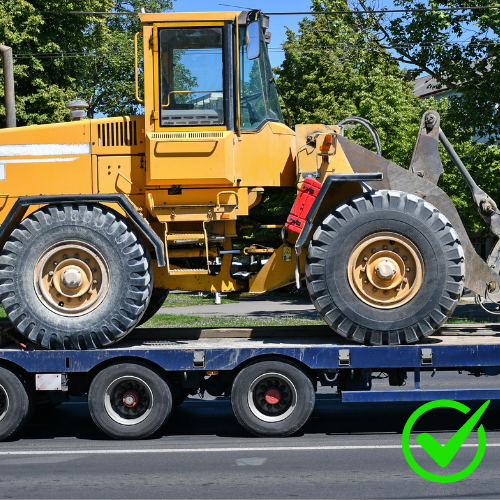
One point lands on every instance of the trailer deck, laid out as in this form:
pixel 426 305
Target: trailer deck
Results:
pixel 198 357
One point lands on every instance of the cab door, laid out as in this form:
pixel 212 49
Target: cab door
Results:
pixel 192 142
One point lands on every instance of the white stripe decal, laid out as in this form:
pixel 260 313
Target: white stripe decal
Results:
pixel 220 450
pixel 44 149
pixel 40 160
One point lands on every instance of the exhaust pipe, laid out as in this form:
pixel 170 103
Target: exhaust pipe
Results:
pixel 8 76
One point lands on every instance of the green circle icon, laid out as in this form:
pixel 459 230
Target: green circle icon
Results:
pixel 450 478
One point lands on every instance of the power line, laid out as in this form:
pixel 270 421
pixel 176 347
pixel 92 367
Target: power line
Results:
pixel 331 12
pixel 383 11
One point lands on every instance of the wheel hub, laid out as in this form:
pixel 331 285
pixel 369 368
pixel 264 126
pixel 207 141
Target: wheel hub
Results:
pixel 273 396
pixel 131 399
pixel 71 278
pixel 385 270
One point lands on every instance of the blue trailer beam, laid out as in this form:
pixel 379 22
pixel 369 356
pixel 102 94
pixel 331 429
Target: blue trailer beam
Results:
pixel 419 395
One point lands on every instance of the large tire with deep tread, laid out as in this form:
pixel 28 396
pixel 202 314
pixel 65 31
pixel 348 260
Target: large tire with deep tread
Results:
pixel 293 393
pixel 158 297
pixel 123 252
pixel 375 213
pixel 150 406
pixel 15 403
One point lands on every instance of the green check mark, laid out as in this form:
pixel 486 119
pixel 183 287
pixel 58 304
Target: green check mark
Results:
pixel 443 454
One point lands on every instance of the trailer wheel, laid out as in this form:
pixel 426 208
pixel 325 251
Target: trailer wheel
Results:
pixel 158 297
pixel 272 398
pixel 385 267
pixel 75 277
pixel 129 400
pixel 14 403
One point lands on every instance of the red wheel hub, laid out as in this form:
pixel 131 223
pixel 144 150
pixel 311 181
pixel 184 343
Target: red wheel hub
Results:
pixel 273 396
pixel 131 399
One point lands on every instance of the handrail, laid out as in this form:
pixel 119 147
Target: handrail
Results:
pixel 136 69
pixel 189 92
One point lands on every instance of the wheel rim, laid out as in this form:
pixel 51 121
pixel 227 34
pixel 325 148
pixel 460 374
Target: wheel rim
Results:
pixel 71 278
pixel 4 403
pixel 385 270
pixel 272 397
pixel 128 400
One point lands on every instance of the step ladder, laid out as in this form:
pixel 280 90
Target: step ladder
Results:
pixel 185 238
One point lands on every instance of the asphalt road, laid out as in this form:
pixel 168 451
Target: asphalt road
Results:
pixel 298 307
pixel 345 451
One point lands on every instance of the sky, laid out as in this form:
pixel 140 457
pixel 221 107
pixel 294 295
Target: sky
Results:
pixel 277 24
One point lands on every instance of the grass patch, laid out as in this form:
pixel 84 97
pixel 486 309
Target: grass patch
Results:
pixel 186 300
pixel 468 321
pixel 3 314
pixel 185 321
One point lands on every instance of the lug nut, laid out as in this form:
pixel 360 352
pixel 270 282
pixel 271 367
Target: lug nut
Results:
pixel 375 289
pixel 363 269
pixel 386 292
pixel 365 282
pixel 95 282
pixel 51 273
pixel 87 261
pixel 80 298
pixel 365 258
pixel 405 257
pixel 385 247
pixel 55 263
pixel 374 250
pixel 65 256
pixel 77 255
pixel 396 250
pixel 407 269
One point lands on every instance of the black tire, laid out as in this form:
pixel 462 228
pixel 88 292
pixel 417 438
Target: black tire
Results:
pixel 362 218
pixel 158 297
pixel 293 408
pixel 14 403
pixel 150 393
pixel 118 304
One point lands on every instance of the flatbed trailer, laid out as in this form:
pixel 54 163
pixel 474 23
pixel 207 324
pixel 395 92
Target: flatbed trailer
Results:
pixel 271 374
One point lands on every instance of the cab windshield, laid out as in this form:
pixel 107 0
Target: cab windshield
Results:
pixel 259 100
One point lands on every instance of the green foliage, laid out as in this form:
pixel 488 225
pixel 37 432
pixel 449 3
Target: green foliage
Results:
pixel 62 57
pixel 459 48
pixel 335 68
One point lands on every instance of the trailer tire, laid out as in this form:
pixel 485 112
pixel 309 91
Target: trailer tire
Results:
pixel 109 285
pixel 158 297
pixel 130 400
pixel 385 267
pixel 14 403
pixel 272 398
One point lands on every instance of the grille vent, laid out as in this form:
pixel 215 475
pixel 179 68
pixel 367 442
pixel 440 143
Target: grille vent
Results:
pixel 187 135
pixel 117 133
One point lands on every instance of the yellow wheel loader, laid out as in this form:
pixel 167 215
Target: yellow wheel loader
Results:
pixel 101 218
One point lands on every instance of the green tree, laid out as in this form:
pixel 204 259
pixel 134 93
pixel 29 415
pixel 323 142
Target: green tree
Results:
pixel 331 72
pixel 459 48
pixel 61 57
pixel 335 68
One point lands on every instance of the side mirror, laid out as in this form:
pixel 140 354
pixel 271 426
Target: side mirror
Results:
pixel 253 39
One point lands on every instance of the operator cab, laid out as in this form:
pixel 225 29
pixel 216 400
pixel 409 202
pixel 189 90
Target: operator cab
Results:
pixel 196 77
